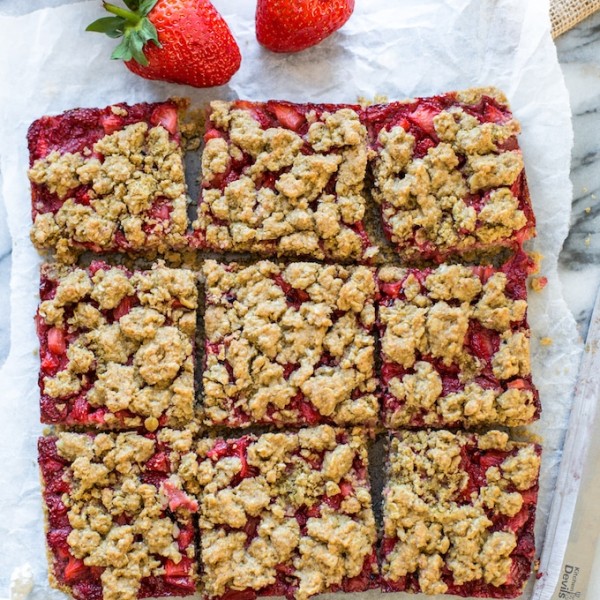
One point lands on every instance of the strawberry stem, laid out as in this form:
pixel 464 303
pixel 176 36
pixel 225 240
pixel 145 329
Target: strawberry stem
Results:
pixel 129 16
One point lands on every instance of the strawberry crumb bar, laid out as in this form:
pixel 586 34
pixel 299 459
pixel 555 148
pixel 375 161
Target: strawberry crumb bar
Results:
pixel 448 174
pixel 289 345
pixel 284 179
pixel 108 180
pixel 286 514
pixel 455 346
pixel 459 514
pixel 119 524
pixel 116 347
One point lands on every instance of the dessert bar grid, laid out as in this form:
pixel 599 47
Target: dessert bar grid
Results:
pixel 145 509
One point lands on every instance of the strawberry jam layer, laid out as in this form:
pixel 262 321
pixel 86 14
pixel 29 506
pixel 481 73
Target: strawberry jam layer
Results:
pixel 71 573
pixel 458 503
pixel 295 506
pixel 455 345
pixel 452 207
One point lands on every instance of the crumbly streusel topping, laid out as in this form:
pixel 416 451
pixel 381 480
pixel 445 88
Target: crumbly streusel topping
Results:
pixel 431 320
pixel 274 332
pixel 135 189
pixel 120 523
pixel 138 360
pixel 425 509
pixel 426 200
pixel 287 200
pixel 249 523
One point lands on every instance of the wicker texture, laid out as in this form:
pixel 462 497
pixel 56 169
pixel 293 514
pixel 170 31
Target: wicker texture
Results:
pixel 565 14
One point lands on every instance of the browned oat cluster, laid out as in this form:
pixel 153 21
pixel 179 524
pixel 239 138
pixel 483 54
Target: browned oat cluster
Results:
pixel 289 344
pixel 286 513
pixel 284 179
pixel 117 347
pixel 458 513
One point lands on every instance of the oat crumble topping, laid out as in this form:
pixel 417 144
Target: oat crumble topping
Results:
pixel 127 515
pixel 448 174
pixel 457 512
pixel 116 346
pixel 125 191
pixel 455 347
pixel 289 344
pixel 290 512
pixel 284 186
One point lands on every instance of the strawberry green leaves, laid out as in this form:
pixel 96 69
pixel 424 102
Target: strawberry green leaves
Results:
pixel 132 25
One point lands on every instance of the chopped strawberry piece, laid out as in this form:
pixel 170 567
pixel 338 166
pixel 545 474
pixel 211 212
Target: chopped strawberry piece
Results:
pixel 160 211
pixel 530 496
pixel 111 123
pixel 287 116
pixel 159 462
pixel 181 569
pixel 257 115
pixel 334 501
pixel 80 410
pixel 185 538
pixel 309 412
pixel 391 370
pixel 56 341
pixel 423 116
pixel 493 115
pixel 166 116
pixel 387 546
pixel 516 523
pixel 212 134
pixel 346 489
pixel 491 459
pixel 124 307
pixel 519 384
pixel 219 450
pixel 483 342
pixel 50 363
pixel 178 498
pixel 75 570
pixel 391 290
pixel 313 511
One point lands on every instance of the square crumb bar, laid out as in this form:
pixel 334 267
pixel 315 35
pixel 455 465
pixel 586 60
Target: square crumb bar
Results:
pixel 459 514
pixel 116 347
pixel 284 179
pixel 118 521
pixel 289 345
pixel 108 180
pixel 455 346
pixel 286 514
pixel 448 174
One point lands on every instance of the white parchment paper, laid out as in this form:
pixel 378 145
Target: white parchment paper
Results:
pixel 399 48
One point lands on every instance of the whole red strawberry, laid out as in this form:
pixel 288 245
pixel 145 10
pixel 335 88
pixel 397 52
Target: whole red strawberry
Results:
pixel 182 41
pixel 293 25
